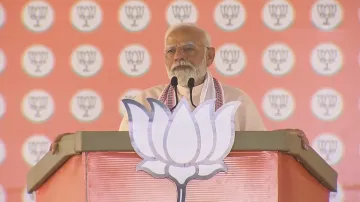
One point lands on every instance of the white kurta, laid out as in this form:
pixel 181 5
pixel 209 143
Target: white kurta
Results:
pixel 247 117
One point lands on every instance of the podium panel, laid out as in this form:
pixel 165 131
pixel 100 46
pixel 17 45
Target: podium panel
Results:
pixel 67 184
pixel 252 176
pixel 261 167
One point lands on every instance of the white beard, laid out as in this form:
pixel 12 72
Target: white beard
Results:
pixel 183 74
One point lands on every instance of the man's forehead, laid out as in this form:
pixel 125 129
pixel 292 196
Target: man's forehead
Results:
pixel 179 43
pixel 183 36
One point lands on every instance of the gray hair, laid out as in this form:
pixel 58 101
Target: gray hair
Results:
pixel 207 41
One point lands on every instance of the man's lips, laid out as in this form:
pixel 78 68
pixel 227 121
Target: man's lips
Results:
pixel 181 67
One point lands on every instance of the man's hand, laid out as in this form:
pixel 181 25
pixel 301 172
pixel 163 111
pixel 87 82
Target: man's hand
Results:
pixel 301 134
pixel 54 146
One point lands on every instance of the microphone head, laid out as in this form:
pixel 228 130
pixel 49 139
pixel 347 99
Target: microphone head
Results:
pixel 191 82
pixel 174 81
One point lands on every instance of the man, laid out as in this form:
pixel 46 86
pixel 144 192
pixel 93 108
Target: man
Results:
pixel 188 54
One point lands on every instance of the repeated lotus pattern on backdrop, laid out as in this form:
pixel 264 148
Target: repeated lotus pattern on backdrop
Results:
pixel 182 145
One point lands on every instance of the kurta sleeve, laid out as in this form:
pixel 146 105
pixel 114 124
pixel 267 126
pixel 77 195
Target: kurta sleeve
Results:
pixel 248 117
pixel 141 98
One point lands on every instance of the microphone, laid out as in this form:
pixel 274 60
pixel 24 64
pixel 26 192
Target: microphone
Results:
pixel 174 83
pixel 191 84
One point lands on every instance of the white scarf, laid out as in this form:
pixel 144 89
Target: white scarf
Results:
pixel 211 89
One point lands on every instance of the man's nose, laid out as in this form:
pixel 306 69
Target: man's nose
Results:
pixel 179 55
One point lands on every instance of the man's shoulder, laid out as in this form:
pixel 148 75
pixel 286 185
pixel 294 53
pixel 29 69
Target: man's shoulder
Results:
pixel 152 92
pixel 157 89
pixel 233 93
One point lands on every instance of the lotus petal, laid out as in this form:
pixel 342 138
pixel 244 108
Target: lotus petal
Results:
pixel 208 171
pixel 154 168
pixel 204 117
pixel 181 174
pixel 182 138
pixel 158 123
pixel 225 130
pixel 138 128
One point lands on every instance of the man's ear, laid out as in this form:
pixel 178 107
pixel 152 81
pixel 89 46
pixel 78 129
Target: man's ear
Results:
pixel 210 56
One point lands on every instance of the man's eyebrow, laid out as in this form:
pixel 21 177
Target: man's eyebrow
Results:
pixel 169 46
pixel 188 43
pixel 182 44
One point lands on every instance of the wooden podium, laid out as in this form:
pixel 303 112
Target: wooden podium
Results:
pixel 101 167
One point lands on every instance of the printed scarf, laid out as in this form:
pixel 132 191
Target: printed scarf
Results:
pixel 211 89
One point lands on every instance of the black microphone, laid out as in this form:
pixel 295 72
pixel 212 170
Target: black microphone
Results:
pixel 174 83
pixel 191 84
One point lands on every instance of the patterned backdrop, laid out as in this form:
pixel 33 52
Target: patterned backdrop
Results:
pixel 65 65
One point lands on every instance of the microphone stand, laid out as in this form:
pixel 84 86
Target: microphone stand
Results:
pixel 191 84
pixel 174 83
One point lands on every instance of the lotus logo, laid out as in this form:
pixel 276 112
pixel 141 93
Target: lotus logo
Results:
pixel 129 94
pixel 134 60
pixel 2 15
pixel 278 59
pixel 29 197
pixel 337 196
pixel 327 14
pixel 327 104
pixel 38 106
pixel 35 148
pixel 86 16
pixel 2 194
pixel 86 105
pixel 2 106
pixel 181 11
pixel 230 60
pixel 86 60
pixel 329 147
pixel 278 15
pixel 278 104
pixel 159 137
pixel 38 16
pixel 38 61
pixel 134 15
pixel 2 151
pixel 2 60
pixel 229 15
pixel 326 59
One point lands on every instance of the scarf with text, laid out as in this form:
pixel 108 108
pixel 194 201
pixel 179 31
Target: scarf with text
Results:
pixel 211 89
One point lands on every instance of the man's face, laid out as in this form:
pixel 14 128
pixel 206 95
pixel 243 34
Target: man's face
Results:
pixel 186 56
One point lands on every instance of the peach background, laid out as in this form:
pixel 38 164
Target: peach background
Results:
pixel 110 83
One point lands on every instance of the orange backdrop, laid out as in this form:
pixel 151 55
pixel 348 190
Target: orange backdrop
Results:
pixel 65 65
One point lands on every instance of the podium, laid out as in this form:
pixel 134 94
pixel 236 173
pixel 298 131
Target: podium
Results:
pixel 100 166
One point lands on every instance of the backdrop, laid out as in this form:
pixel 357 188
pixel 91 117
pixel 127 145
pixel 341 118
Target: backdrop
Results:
pixel 65 65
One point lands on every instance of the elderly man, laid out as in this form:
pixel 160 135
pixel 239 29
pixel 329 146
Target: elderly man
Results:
pixel 188 54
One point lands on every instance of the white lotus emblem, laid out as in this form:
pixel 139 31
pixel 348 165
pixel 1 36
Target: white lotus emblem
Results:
pixel 182 145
